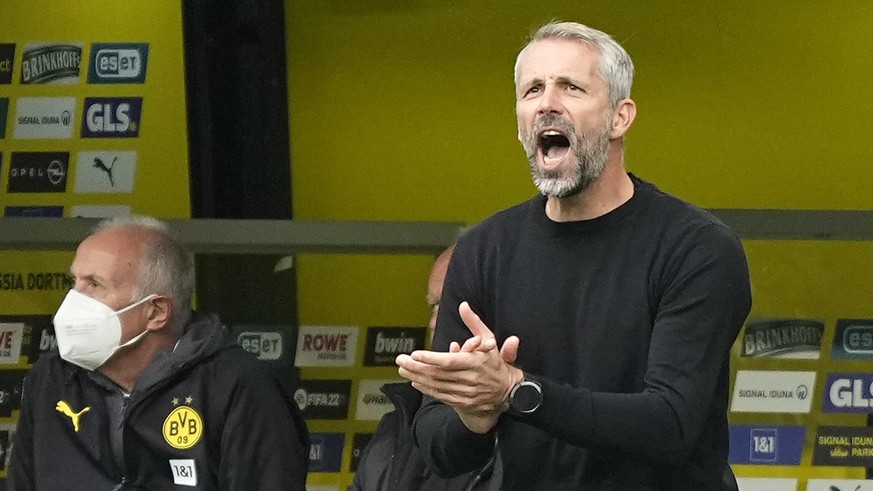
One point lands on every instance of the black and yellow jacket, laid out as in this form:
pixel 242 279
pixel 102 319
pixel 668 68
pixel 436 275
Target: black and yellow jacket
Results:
pixel 206 416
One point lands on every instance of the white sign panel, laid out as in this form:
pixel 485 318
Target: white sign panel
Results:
pixel 10 341
pixel 326 346
pixel 44 117
pixel 372 403
pixel 100 211
pixel 839 485
pixel 772 392
pixel 766 484
pixel 105 172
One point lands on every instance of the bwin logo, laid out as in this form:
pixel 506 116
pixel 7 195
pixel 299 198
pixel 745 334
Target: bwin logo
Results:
pixel 394 345
pixel 47 341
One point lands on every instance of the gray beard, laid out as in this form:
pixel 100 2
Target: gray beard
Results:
pixel 591 150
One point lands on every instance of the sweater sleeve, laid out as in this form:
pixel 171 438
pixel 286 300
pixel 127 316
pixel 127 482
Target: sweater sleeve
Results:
pixel 704 302
pixel 448 447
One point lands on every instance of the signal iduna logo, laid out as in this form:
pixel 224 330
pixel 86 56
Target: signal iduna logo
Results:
pixel 326 346
pixel 772 392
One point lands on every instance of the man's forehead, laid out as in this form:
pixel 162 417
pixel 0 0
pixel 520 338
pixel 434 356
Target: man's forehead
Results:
pixel 104 256
pixel 553 58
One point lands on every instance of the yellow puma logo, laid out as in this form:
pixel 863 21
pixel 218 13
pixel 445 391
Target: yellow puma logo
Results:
pixel 74 417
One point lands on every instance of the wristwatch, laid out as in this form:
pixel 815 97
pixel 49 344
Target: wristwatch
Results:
pixel 526 397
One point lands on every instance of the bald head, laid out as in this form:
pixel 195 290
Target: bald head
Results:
pixel 435 285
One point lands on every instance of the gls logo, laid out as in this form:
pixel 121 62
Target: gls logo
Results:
pixel 849 393
pixel 118 63
pixel 111 117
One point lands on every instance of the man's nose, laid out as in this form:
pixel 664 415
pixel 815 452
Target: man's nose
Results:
pixel 550 102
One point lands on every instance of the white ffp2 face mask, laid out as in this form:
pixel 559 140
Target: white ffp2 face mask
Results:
pixel 88 331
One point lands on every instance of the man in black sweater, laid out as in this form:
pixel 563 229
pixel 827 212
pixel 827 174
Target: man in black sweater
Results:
pixel 587 331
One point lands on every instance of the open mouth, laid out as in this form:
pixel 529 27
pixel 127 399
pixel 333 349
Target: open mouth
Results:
pixel 554 145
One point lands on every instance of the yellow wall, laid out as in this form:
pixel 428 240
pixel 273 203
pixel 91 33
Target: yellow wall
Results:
pixel 404 111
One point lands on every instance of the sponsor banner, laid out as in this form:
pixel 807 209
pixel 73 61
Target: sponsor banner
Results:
pixel 35 280
pixel 11 385
pixel 359 443
pixel 848 393
pixel 385 343
pixel 11 335
pixel 766 445
pixel 838 485
pixel 118 63
pixel 38 334
pixel 772 392
pixel 326 346
pixel 35 211
pixel 843 446
pixel 323 399
pixel 372 404
pixel 38 172
pixel 766 484
pixel 100 211
pixel 853 339
pixel 44 117
pixel 51 63
pixel 105 172
pixel 783 338
pixel 7 61
pixel 4 111
pixel 111 117
pixel 270 343
pixel 326 452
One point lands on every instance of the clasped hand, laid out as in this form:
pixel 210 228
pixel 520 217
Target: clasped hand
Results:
pixel 474 378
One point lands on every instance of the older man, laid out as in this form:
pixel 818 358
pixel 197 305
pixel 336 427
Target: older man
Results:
pixel 614 305
pixel 141 394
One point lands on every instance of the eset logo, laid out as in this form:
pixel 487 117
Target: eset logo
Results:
pixel 118 63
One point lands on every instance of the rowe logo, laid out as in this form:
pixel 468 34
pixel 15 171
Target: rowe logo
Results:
pixel 326 346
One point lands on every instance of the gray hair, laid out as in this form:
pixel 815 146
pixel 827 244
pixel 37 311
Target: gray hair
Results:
pixel 166 268
pixel 616 67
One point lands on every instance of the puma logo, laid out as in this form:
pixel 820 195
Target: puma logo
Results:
pixel 98 164
pixel 74 417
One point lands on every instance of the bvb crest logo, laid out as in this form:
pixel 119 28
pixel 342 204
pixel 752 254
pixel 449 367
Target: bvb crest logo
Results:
pixel 183 428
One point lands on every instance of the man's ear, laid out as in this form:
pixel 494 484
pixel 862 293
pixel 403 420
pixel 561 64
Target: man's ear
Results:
pixel 622 118
pixel 160 310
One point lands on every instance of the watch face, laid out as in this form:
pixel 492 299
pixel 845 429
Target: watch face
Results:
pixel 526 397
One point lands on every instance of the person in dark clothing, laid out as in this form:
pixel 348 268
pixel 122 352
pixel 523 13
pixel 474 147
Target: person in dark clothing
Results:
pixel 587 331
pixel 141 393
pixel 391 462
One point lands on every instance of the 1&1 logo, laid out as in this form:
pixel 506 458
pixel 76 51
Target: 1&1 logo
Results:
pixel 183 428
pixel 111 117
